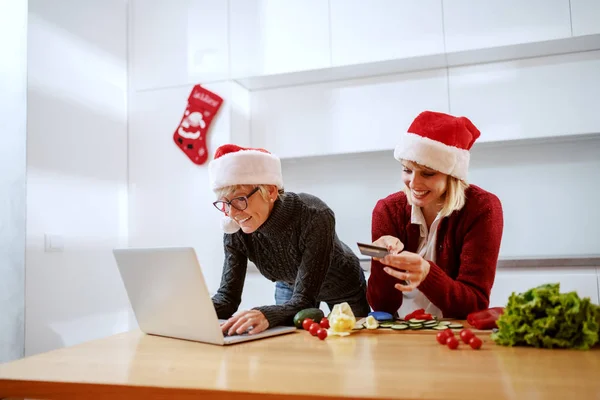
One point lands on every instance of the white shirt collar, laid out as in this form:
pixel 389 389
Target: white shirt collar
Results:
pixel 417 218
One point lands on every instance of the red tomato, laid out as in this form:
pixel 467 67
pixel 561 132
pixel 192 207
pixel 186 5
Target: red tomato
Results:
pixel 324 323
pixel 441 337
pixel 426 317
pixel 475 343
pixel 322 333
pixel 466 335
pixel 314 328
pixel 452 342
pixel 307 323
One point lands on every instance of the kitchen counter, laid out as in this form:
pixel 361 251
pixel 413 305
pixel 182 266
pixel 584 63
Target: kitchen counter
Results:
pixel 367 365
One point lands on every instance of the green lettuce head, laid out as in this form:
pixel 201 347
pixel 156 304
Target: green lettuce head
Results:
pixel 544 317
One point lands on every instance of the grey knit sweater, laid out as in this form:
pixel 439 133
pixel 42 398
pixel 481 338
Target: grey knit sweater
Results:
pixel 297 245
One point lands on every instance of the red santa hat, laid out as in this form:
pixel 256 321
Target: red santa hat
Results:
pixel 235 165
pixel 439 141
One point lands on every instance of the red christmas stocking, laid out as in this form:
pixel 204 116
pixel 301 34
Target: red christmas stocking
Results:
pixel 190 136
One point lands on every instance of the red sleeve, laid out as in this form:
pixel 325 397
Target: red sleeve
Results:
pixel 470 291
pixel 381 294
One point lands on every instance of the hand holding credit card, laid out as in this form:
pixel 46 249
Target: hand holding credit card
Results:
pixel 370 250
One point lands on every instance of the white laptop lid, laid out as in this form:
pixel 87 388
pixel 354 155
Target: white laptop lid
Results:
pixel 169 296
pixel 168 293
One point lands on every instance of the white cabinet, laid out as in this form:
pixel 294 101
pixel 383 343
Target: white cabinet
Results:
pixel 273 37
pixel 178 42
pixel 583 280
pixel 478 24
pixel 344 117
pixel 585 15
pixel 384 29
pixel 544 97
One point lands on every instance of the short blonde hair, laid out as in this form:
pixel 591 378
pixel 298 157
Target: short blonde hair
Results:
pixel 262 189
pixel 454 198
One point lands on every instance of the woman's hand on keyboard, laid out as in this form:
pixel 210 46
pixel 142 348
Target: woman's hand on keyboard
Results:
pixel 252 321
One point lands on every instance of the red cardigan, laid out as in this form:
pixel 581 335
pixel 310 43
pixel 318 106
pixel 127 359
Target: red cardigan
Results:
pixel 468 243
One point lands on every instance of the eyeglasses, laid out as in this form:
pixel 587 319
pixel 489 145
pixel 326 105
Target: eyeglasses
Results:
pixel 239 203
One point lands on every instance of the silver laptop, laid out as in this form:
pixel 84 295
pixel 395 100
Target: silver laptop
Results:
pixel 169 296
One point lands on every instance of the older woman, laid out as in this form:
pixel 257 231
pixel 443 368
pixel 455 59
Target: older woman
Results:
pixel 290 237
pixel 443 234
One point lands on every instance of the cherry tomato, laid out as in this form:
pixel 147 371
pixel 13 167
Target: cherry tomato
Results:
pixel 307 323
pixel 322 333
pixel 475 343
pixel 314 328
pixel 452 342
pixel 324 323
pixel 466 335
pixel 441 337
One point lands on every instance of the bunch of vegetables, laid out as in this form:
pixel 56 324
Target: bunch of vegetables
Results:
pixel 544 317
pixel 340 322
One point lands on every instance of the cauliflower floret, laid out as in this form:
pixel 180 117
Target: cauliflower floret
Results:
pixel 341 320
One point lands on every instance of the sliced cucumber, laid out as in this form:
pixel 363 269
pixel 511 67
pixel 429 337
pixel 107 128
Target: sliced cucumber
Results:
pixel 358 327
pixel 455 326
pixel 416 321
pixel 430 323
pixel 440 327
pixel 444 323
pixel 416 327
pixel 399 327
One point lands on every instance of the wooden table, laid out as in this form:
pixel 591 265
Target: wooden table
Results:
pixel 367 364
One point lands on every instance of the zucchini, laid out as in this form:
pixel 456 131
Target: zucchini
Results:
pixel 313 313
pixel 440 327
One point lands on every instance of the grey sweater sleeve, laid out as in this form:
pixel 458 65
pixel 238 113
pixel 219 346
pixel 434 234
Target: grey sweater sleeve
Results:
pixel 229 296
pixel 317 241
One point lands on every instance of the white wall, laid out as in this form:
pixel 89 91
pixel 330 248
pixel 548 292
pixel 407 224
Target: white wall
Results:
pixel 170 198
pixel 13 118
pixel 543 188
pixel 76 171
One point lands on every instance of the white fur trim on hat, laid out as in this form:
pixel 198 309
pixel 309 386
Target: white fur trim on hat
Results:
pixel 229 225
pixel 245 167
pixel 446 159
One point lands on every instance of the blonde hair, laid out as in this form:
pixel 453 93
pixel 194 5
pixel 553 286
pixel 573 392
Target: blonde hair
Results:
pixel 262 189
pixel 454 197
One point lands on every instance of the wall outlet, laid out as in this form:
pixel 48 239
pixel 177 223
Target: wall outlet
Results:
pixel 53 243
